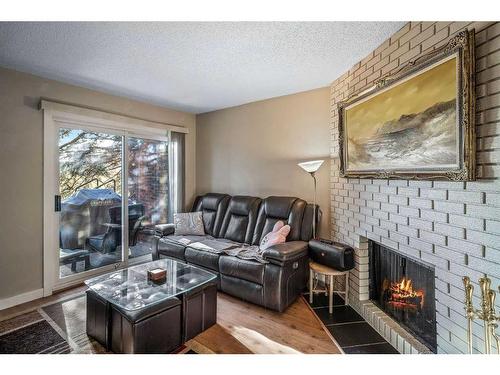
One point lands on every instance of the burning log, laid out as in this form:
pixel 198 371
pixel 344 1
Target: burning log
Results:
pixel 401 295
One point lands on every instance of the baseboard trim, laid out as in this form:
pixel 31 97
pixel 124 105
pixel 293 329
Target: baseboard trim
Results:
pixel 20 298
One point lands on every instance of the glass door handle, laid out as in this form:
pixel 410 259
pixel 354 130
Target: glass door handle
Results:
pixel 57 203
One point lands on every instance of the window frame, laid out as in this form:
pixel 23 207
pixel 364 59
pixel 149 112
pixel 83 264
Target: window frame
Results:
pixel 55 116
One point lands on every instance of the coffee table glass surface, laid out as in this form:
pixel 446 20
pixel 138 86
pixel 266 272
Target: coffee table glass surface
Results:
pixel 131 290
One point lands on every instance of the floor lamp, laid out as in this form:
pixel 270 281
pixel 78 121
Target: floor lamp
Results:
pixel 311 167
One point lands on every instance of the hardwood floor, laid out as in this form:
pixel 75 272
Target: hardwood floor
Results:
pixel 246 328
pixel 242 328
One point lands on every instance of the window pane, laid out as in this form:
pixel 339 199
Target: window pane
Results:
pixel 90 182
pixel 148 191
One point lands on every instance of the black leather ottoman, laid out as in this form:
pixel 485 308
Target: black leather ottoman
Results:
pixel 152 330
pixel 128 313
pixel 159 328
pixel 199 310
pixel 98 316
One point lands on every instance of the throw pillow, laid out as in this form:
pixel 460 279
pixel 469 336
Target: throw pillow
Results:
pixel 276 236
pixel 190 223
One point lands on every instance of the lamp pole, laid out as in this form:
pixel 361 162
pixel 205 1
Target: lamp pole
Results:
pixel 313 175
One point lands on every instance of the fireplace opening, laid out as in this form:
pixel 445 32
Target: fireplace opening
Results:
pixel 404 288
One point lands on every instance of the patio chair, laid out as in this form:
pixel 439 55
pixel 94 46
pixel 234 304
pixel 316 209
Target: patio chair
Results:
pixel 109 241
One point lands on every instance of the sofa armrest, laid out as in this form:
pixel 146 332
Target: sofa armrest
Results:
pixel 287 251
pixel 165 229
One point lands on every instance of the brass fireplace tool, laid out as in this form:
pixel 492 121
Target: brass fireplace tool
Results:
pixel 486 313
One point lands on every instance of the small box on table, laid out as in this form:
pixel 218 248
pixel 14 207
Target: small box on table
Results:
pixel 157 274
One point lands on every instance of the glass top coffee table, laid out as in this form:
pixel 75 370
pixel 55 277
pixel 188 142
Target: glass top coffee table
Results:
pixel 131 290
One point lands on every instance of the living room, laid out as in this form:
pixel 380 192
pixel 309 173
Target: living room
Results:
pixel 283 196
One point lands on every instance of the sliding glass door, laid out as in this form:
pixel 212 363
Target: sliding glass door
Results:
pixel 107 180
pixel 147 192
pixel 90 200
pixel 96 169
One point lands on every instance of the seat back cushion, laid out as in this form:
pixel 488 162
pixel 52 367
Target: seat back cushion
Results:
pixel 288 209
pixel 240 218
pixel 213 207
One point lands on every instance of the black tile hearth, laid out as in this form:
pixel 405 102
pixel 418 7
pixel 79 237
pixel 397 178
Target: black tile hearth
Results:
pixel 359 333
pixel 348 328
pixel 320 300
pixel 380 348
pixel 341 314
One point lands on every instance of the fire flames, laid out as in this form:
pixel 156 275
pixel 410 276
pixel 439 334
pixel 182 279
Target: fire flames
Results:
pixel 401 294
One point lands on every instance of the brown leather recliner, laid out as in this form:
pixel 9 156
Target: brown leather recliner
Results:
pixel 243 219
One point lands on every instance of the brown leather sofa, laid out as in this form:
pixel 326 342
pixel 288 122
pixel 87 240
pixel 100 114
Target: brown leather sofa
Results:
pixel 243 219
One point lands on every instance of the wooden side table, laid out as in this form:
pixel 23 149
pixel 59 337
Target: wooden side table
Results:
pixel 329 273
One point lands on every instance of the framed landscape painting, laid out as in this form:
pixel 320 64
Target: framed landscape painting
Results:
pixel 416 124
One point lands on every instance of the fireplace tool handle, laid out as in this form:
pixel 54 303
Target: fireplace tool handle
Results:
pixel 485 284
pixel 492 319
pixel 469 310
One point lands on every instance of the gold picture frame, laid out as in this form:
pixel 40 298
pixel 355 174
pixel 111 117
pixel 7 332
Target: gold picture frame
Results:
pixel 431 134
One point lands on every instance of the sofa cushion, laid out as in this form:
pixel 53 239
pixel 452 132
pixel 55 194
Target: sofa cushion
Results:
pixel 213 207
pixel 241 268
pixel 239 221
pixel 202 258
pixel 205 258
pixel 175 246
pixel 273 209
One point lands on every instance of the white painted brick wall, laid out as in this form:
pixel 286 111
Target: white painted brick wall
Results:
pixel 453 225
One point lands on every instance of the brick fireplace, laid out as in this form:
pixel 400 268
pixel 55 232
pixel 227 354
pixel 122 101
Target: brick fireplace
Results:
pixel 453 226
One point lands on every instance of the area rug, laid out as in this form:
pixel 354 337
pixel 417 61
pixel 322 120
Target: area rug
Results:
pixel 36 336
pixel 55 328
pixel 69 319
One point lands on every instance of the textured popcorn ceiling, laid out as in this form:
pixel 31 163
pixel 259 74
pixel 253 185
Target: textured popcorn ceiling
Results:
pixel 191 66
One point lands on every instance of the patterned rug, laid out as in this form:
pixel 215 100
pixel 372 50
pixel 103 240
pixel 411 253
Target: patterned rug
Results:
pixel 56 328
pixel 69 319
pixel 31 334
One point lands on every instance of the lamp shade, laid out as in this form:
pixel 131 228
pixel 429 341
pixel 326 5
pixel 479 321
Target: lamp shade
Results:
pixel 311 166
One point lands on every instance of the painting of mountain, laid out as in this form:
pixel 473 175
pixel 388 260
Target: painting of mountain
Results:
pixel 410 125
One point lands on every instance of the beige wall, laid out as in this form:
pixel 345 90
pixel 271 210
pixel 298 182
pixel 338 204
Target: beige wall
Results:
pixel 21 152
pixel 253 149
